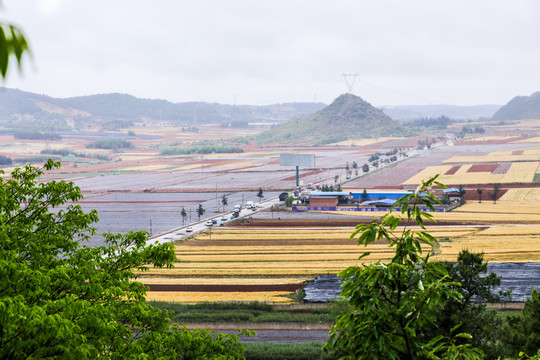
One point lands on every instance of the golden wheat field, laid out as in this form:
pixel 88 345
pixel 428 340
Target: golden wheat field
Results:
pixel 150 280
pixel 531 194
pixel 251 256
pixel 515 211
pixel 524 154
pixel 519 172
pixel 196 297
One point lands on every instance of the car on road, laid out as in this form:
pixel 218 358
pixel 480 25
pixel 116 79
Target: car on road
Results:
pixel 189 229
pixel 214 221
pixel 209 223
pixel 224 218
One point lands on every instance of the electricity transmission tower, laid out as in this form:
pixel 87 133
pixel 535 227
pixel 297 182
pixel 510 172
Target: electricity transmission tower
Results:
pixel 350 79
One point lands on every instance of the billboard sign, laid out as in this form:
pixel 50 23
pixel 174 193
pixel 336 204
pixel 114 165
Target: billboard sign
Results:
pixel 297 160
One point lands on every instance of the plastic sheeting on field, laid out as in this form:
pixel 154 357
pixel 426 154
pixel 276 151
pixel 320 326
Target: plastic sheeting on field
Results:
pixel 520 278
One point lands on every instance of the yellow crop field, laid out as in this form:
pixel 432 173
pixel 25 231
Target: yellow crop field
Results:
pixel 30 147
pixel 273 257
pixel 221 281
pixel 518 211
pixel 427 173
pixel 495 248
pixel 247 248
pixel 489 138
pixel 530 140
pixel 528 154
pixel 519 172
pixel 196 297
pixel 533 230
pixel 266 258
pixel 283 236
pixel 522 194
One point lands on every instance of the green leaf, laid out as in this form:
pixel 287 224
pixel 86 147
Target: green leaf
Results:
pixel 4 52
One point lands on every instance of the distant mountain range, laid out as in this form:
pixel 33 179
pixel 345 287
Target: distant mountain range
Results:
pixel 413 112
pixel 519 108
pixel 17 103
pixel 348 117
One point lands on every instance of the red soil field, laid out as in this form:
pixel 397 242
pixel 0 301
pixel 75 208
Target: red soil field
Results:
pixel 452 170
pixel 483 168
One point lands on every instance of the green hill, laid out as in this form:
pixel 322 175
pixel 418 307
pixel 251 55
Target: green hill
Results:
pixel 520 107
pixel 348 117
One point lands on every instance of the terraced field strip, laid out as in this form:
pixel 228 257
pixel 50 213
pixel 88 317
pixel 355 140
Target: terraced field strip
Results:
pixel 266 258
pixel 149 280
pixel 529 154
pixel 196 297
pixel 505 230
pixel 518 172
pixel 496 248
pixel 515 211
pixel 522 194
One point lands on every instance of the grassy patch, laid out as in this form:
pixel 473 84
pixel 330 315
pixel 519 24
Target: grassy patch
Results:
pixel 243 312
pixel 272 351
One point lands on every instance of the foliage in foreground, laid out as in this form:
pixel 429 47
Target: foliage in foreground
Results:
pixel 62 299
pixel 412 308
pixel 390 304
pixel 472 317
pixel 521 333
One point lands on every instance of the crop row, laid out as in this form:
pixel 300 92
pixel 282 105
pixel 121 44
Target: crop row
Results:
pixel 196 297
pixel 522 194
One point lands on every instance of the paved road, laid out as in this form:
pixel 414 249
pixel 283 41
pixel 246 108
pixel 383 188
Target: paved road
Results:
pixel 180 232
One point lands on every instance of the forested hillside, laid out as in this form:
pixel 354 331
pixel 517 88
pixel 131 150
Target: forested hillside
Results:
pixel 348 117
pixel 16 105
pixel 520 107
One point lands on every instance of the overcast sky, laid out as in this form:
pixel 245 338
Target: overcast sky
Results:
pixel 462 52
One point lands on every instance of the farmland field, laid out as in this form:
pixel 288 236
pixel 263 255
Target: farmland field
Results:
pixel 248 256
pixel 140 189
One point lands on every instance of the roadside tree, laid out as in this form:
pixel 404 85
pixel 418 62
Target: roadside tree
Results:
pixel 224 201
pixel 200 211
pixel 183 213
pixel 260 194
